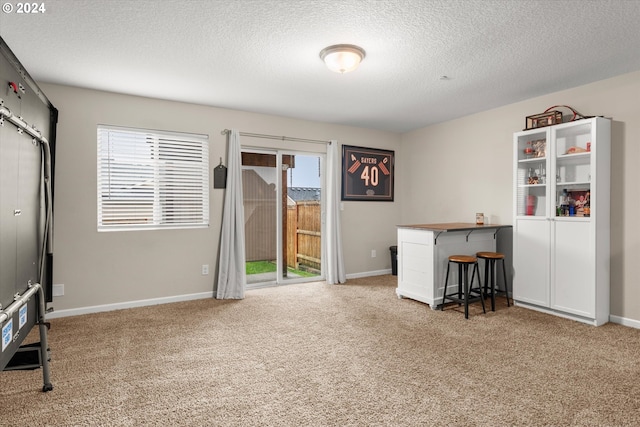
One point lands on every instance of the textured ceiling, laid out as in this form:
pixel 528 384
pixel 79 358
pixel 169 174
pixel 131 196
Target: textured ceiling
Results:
pixel 262 56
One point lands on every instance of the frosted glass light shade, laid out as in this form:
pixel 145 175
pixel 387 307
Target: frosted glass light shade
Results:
pixel 342 58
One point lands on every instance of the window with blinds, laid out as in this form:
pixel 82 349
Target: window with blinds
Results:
pixel 152 179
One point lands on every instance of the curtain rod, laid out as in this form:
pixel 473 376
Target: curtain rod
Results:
pixel 282 138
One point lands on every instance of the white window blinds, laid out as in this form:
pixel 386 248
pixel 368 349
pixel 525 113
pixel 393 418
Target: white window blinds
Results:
pixel 152 179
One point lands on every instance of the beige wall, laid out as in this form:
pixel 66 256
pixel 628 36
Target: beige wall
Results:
pixel 116 267
pixel 452 170
pixel 445 172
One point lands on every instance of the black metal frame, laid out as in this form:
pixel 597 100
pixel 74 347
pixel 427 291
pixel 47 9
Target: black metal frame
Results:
pixel 460 297
pixel 490 268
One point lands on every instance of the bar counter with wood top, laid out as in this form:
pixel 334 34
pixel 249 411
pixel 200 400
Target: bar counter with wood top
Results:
pixel 423 251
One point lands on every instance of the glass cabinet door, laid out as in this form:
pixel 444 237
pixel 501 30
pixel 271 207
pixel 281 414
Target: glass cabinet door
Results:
pixel 531 174
pixel 572 160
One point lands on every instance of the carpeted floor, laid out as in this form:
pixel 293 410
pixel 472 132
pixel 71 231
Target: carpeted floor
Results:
pixel 319 355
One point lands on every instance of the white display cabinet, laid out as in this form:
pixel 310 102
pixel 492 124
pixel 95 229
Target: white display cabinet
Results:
pixel 561 193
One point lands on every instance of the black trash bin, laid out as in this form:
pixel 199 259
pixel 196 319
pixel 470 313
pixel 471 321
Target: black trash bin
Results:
pixel 394 260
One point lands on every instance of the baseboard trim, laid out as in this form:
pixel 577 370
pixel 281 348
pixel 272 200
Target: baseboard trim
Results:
pixel 368 274
pixel 166 300
pixel 624 321
pixel 129 304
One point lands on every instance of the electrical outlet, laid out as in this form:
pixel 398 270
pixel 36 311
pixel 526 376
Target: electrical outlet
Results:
pixel 373 253
pixel 58 290
pixel 205 269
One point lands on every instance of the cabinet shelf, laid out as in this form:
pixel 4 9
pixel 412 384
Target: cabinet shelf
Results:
pixel 554 218
pixel 533 160
pixel 574 184
pixel 572 218
pixel 576 156
pixel 532 185
pixel 574 159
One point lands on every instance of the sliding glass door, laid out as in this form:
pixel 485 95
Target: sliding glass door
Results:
pixel 259 186
pixel 283 209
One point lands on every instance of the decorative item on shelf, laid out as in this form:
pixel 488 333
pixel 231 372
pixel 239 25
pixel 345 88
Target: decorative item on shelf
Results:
pixel 531 205
pixel 535 148
pixel 551 116
pixel 563 203
pixel 542 174
pixel 582 202
pixel 543 119
pixel 529 152
pixel 572 204
pixel 540 148
pixel 587 204
pixel 479 218
pixel 575 150
pixel 533 177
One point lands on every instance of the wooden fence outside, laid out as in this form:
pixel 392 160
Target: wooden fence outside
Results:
pixel 304 236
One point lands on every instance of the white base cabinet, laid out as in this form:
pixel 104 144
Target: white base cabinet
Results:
pixel 561 249
pixel 531 258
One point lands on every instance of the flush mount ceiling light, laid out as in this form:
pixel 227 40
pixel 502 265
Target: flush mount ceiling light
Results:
pixel 342 58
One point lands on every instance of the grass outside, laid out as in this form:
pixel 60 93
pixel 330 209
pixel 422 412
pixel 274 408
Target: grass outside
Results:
pixel 257 267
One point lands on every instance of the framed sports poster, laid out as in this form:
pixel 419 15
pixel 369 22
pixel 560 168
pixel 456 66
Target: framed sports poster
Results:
pixel 367 174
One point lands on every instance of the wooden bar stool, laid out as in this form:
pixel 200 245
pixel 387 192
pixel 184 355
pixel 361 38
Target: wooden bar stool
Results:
pixel 490 259
pixel 464 296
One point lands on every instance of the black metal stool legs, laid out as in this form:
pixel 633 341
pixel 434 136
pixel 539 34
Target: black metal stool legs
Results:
pixel 506 285
pixel 465 286
pixel 490 279
pixel 470 289
pixel 446 281
pixel 462 268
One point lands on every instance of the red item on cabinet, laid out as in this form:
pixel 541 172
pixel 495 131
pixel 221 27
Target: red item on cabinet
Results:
pixel 531 205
